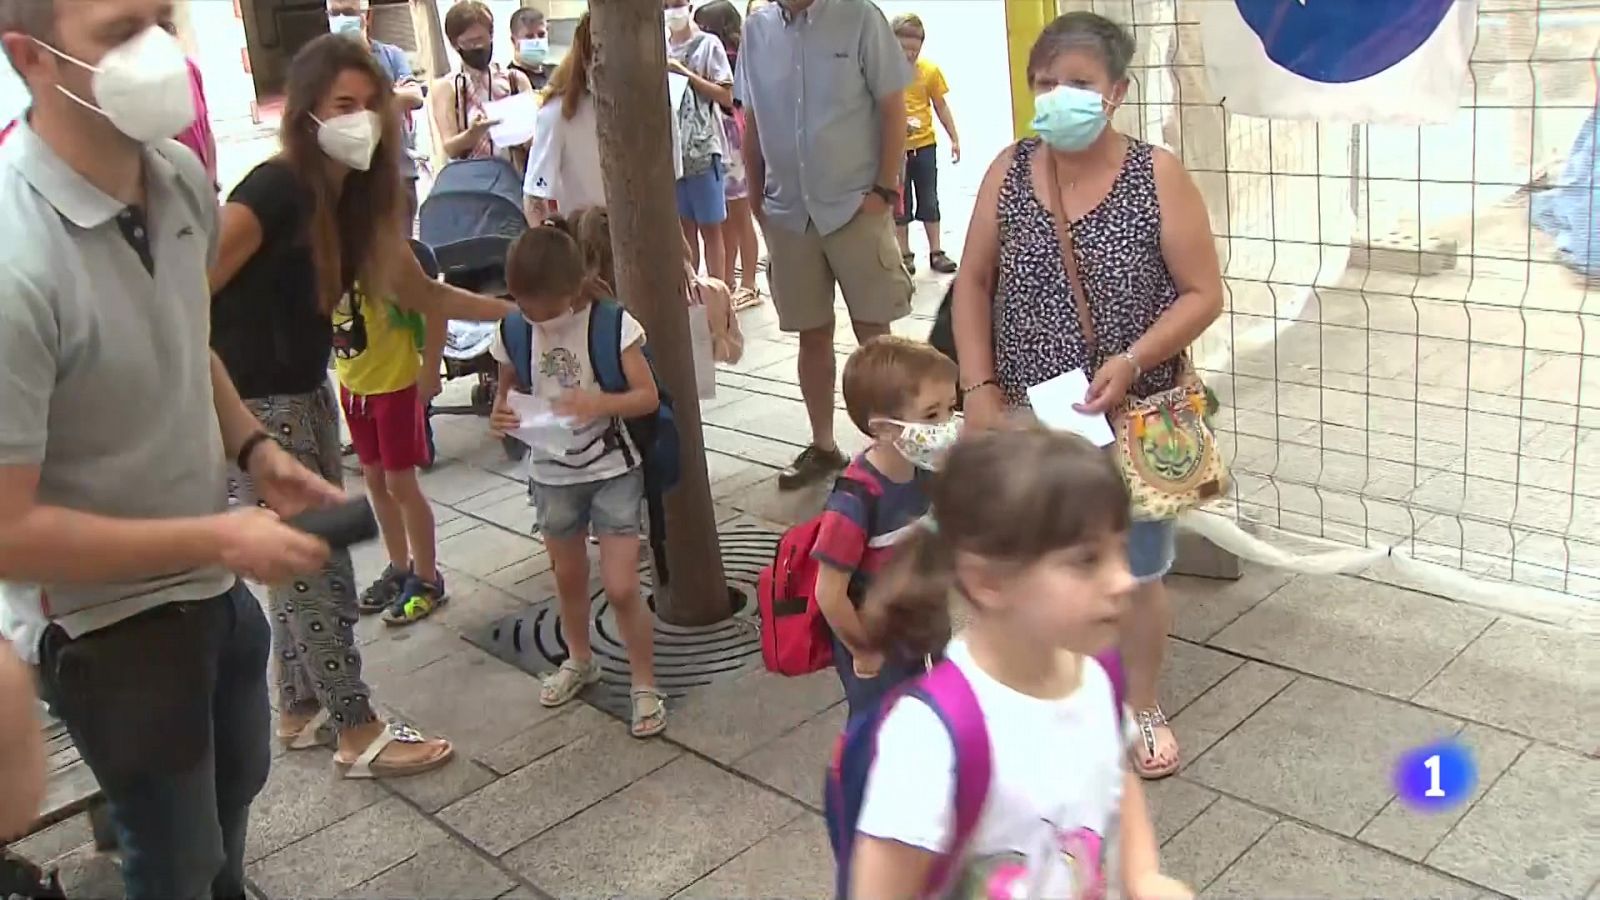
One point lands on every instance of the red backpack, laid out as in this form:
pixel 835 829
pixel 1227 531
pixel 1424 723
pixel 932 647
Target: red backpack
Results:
pixel 795 637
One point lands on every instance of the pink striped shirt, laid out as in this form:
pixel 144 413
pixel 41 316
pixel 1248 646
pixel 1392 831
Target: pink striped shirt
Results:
pixel 197 136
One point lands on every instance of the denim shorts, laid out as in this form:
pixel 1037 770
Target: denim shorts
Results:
pixel 607 507
pixel 1152 547
pixel 702 198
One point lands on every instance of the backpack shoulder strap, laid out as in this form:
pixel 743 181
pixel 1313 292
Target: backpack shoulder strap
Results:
pixel 1111 661
pixel 947 692
pixel 605 345
pixel 517 337
pixel 857 489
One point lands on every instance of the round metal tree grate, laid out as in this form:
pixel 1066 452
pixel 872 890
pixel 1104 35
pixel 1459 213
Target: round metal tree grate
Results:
pixel 686 657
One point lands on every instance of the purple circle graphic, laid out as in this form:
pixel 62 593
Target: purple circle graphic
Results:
pixel 1340 41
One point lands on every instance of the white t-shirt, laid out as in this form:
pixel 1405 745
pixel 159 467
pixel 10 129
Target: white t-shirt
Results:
pixel 564 157
pixel 1056 790
pixel 560 362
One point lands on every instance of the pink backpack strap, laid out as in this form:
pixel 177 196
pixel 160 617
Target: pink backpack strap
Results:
pixel 948 693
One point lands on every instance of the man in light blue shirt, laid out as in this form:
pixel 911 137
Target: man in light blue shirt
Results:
pixel 823 85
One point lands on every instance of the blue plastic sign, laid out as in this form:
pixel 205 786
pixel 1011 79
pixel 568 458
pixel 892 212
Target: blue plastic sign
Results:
pixel 1340 41
pixel 1435 777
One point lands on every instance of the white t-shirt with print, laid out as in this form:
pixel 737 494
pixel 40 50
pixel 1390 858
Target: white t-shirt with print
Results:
pixel 1056 790
pixel 560 362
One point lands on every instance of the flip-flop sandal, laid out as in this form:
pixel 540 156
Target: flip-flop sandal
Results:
pixel 649 712
pixel 368 765
pixel 1148 721
pixel 746 298
pixel 313 734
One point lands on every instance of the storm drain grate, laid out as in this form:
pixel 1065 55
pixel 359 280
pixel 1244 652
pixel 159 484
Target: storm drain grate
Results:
pixel 687 658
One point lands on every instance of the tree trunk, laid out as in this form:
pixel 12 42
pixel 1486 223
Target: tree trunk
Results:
pixel 630 92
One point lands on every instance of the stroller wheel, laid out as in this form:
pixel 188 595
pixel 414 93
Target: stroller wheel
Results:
pixel 515 449
pixel 482 396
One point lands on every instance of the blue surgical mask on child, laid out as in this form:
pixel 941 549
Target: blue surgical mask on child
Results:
pixel 1069 118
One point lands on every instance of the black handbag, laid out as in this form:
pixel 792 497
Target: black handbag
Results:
pixel 942 336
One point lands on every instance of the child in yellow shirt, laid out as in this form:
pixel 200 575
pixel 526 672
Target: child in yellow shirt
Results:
pixel 919 196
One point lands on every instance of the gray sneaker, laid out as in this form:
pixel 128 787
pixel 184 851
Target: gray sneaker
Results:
pixel 382 593
pixel 811 466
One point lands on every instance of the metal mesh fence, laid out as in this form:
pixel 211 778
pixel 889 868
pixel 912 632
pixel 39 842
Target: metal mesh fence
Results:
pixel 1404 360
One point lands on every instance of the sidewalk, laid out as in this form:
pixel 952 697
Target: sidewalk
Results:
pixel 1292 696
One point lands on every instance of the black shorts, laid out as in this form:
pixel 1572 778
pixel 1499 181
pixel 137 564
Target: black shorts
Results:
pixel 919 196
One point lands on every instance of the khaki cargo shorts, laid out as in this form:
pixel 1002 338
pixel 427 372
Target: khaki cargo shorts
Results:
pixel 862 259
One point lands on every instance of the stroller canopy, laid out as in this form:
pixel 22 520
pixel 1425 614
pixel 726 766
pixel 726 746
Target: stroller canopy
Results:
pixel 470 216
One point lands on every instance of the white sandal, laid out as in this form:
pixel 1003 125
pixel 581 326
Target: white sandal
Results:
pixel 314 733
pixel 568 681
pixel 396 732
pixel 648 721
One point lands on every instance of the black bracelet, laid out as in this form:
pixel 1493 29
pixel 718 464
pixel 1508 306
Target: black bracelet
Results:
pixel 242 460
pixel 987 382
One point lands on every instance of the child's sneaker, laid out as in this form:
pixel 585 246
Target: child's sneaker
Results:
pixel 381 594
pixel 417 601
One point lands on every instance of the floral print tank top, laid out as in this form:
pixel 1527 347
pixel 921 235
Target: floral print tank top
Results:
pixel 1037 335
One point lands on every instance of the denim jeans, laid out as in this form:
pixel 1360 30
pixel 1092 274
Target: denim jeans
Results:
pixel 862 694
pixel 169 711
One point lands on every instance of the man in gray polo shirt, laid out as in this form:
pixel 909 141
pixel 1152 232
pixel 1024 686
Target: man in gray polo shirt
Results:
pixel 115 426
pixel 823 87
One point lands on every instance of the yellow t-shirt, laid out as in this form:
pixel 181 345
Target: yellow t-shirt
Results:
pixel 374 346
pixel 927 85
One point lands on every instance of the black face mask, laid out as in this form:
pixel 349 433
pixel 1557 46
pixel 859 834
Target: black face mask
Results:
pixel 476 58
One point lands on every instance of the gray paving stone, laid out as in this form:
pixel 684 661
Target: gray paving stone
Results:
pixel 506 489
pixel 555 787
pixel 1190 671
pixel 683 821
pixel 303 794
pixel 346 853
pixel 1534 833
pixel 1231 701
pixel 470 697
pixel 85 873
pixel 477 603
pixel 485 549
pixel 794 763
pixel 511 511
pixel 1320 752
pixel 441 871
pixel 395 653
pixel 576 720
pixel 728 720
pixel 1218 836
pixel 455 482
pixel 1295 861
pixel 1174 803
pixel 1411 834
pixel 57 840
pixel 1201 607
pixel 764 500
pixel 1536 680
pixel 433 791
pixel 793 863
pixel 1356 632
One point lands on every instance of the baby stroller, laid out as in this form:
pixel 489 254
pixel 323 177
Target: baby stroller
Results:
pixel 468 221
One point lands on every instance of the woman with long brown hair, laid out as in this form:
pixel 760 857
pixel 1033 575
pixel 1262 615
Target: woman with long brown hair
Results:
pixel 298 234
pixel 564 159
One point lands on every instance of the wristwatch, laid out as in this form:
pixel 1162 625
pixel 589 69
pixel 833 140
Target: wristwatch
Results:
pixel 888 195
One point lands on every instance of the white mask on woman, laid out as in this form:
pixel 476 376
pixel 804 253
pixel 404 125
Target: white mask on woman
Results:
pixel 350 139
pixel 141 86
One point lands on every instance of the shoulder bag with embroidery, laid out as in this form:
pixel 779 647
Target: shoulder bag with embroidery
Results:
pixel 1164 444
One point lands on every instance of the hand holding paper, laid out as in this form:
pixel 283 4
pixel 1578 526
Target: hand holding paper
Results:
pixel 1056 404
pixel 512 119
pixel 538 426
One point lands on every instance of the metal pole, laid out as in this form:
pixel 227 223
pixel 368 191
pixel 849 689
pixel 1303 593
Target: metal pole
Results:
pixel 630 93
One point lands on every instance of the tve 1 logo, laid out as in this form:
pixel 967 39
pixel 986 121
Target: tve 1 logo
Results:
pixel 1339 41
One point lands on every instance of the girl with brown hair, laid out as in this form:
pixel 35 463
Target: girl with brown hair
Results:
pixel 564 158
pixel 297 236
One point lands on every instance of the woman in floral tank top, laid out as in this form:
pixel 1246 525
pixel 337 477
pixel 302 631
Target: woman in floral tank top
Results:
pixel 456 101
pixel 1144 250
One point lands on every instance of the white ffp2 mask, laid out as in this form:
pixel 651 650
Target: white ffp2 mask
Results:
pixel 141 86
pixel 350 139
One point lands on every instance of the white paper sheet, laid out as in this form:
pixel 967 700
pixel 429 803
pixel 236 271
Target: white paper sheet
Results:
pixel 1052 404
pixel 515 116
pixel 676 86
pixel 540 428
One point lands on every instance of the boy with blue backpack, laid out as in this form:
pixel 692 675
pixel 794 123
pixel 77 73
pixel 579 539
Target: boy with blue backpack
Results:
pixel 582 355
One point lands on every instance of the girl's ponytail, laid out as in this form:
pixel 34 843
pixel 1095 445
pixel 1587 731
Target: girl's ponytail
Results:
pixel 907 610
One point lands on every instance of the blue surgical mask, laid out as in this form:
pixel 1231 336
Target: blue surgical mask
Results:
pixel 1069 118
pixel 344 25
pixel 532 51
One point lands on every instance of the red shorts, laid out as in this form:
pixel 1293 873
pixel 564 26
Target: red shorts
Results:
pixel 388 430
